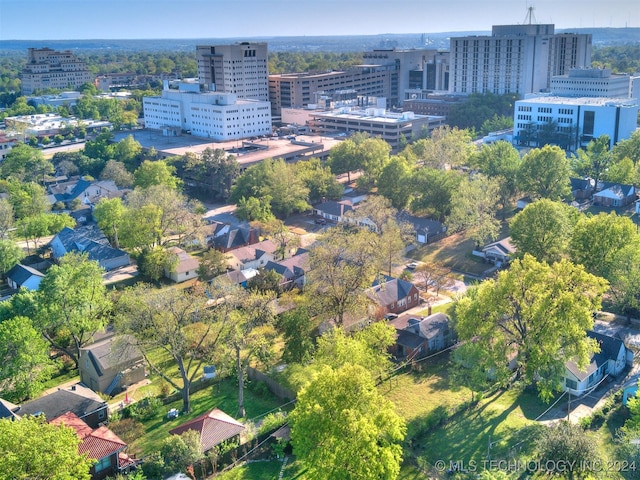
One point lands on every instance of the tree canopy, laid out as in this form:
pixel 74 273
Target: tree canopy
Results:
pixel 545 173
pixel 342 427
pixel 535 313
pixel 34 449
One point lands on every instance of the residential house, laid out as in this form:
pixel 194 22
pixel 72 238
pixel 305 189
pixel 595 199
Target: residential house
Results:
pixel 426 229
pixel 615 195
pixel 499 252
pixel 214 428
pixel 332 210
pixel 100 444
pixel 78 399
pixel 582 188
pixel 418 337
pixel 88 192
pixel 234 277
pixel 111 364
pixel 394 295
pixel 611 360
pixel 23 276
pixel 8 410
pixel 186 268
pixel 228 238
pixel 91 240
pixel 252 256
pixel 293 269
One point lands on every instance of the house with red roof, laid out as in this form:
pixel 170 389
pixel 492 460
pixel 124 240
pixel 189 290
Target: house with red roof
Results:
pixel 101 444
pixel 214 428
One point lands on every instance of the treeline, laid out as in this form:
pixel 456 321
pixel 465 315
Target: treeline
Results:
pixel 620 59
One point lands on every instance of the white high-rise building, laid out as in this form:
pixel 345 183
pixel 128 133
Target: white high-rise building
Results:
pixel 47 68
pixel 241 69
pixel 215 115
pixel 515 59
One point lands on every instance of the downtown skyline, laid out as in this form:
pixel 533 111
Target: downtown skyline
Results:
pixel 148 19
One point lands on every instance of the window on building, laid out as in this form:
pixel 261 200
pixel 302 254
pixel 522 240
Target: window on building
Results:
pixel 572 384
pixel 103 464
pixel 588 123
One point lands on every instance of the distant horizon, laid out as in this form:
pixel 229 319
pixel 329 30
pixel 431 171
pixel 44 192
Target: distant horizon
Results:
pixel 68 20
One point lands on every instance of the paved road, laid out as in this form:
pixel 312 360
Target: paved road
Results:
pixel 629 334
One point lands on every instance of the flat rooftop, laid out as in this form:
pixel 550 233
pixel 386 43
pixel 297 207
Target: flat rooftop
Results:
pixel 246 151
pixel 596 101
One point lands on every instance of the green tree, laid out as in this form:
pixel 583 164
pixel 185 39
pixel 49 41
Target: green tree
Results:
pixel 101 147
pixel 342 264
pixel 342 427
pixel 6 218
pixel 108 213
pixel 543 229
pixel 595 160
pixel 538 314
pixel 24 360
pixel 255 209
pixel 433 191
pixel 214 171
pixel 544 173
pixel 27 199
pixel 474 209
pixel 181 451
pixel 372 156
pixel 319 180
pixel 43 224
pixel 34 449
pixel 297 327
pixel 567 444
pixel 212 264
pixel 156 173
pixel 394 179
pixel 72 304
pixel 628 148
pixel 26 164
pixel 624 275
pixel 250 336
pixel 154 262
pixel 501 161
pixel 623 172
pixel 596 240
pixel 343 158
pixel 446 147
pixel 116 171
pixel 10 254
pixel 176 322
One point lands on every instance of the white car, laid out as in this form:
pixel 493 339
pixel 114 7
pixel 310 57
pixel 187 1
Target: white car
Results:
pixel 412 265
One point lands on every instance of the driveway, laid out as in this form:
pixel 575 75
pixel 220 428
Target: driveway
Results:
pixel 221 213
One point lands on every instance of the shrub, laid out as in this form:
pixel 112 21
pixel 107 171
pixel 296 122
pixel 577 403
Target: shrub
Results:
pixel 128 429
pixel 144 409
pixel 272 422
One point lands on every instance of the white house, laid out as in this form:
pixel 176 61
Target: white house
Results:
pixel 612 359
pixel 252 256
pixel 186 269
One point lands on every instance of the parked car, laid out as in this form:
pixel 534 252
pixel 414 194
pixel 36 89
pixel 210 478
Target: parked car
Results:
pixel 321 221
pixel 412 265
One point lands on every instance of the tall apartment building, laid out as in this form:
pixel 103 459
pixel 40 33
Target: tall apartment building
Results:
pixel 240 68
pixel 515 59
pixel 47 68
pixel 591 82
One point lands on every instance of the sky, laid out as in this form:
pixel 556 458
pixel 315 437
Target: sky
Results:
pixel 136 19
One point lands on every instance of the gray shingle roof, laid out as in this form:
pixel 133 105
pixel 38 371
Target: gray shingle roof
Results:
pixel 21 273
pixel 81 401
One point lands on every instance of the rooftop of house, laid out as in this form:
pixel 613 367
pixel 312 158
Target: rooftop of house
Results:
pixel 98 443
pixel 186 262
pixel 390 290
pixel 214 428
pixel 77 399
pixel 112 352
pixel 21 273
pixel 609 350
pixel 252 252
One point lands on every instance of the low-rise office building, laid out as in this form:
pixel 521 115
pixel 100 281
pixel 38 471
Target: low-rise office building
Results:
pixel 572 123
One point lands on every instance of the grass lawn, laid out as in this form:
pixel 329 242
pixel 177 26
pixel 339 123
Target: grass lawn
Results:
pixel 453 252
pixel 254 471
pixel 223 397
pixel 499 418
pixel 417 394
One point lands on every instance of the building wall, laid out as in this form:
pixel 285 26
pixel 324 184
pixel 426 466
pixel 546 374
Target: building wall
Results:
pixel 240 68
pixel 208 115
pixel 582 118
pixel 48 68
pixel 591 83
pixel 515 59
